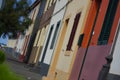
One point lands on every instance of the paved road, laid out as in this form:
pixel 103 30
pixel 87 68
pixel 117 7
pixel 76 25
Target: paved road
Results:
pixel 22 69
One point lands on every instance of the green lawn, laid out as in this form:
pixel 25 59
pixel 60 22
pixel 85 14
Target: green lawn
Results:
pixel 5 72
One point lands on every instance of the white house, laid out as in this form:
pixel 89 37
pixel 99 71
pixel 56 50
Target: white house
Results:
pixel 114 73
pixel 53 33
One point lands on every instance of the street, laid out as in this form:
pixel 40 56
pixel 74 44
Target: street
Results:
pixel 22 69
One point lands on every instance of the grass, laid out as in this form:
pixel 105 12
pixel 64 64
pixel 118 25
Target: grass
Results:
pixel 2 56
pixel 5 72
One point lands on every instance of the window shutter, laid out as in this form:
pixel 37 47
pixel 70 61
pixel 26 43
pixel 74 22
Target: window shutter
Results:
pixel 80 40
pixel 107 25
pixel 73 31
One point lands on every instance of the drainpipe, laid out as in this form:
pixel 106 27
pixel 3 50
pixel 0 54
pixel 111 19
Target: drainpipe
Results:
pixel 106 67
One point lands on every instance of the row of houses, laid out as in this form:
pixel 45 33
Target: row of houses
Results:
pixel 70 39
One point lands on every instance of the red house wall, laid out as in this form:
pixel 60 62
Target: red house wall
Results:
pixel 115 23
pixel 94 52
pixel 99 22
pixel 24 48
pixel 95 58
pixel 90 22
pixel 94 61
pixel 77 64
pixel 87 31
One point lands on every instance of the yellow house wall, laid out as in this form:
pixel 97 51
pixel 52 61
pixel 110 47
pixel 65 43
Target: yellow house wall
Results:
pixel 73 8
pixel 11 43
pixel 63 60
pixel 36 39
pixel 41 35
pixel 33 15
pixel 48 4
pixel 41 40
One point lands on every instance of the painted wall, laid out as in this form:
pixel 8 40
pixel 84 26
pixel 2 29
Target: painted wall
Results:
pixel 116 56
pixel 63 60
pixel 33 15
pixel 115 24
pixel 46 17
pixel 114 73
pixel 93 64
pixel 95 55
pixel 20 43
pixel 41 41
pixel 54 20
pixel 41 33
pixel 21 38
pixel 35 29
pixel 72 9
pixel 23 44
pixel 24 48
pixel 11 43
pixel 114 70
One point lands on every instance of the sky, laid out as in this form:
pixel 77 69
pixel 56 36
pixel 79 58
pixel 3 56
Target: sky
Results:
pixel 0 2
pixel 30 1
pixel 1 39
pixel 4 41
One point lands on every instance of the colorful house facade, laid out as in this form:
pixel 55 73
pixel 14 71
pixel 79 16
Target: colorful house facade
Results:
pixel 114 73
pixel 18 46
pixel 69 39
pixel 23 40
pixel 66 46
pixel 11 43
pixel 40 4
pixel 97 40
pixel 41 35
pixel 52 34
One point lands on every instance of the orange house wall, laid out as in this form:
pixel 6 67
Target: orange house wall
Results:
pixel 99 22
pixel 115 23
pixel 89 23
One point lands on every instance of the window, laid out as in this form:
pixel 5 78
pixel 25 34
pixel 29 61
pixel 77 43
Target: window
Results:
pixel 55 35
pixel 108 21
pixel 72 35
